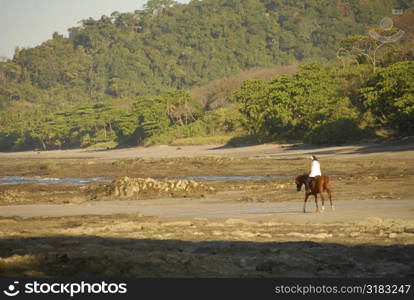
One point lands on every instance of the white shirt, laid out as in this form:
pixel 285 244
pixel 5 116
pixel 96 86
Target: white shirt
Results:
pixel 316 169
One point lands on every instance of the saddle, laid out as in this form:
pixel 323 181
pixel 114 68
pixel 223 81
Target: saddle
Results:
pixel 311 179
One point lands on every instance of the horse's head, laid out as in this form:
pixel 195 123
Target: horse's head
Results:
pixel 298 183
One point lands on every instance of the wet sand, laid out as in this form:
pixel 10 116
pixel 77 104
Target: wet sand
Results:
pixel 186 208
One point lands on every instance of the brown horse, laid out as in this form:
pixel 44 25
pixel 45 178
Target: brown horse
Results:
pixel 317 186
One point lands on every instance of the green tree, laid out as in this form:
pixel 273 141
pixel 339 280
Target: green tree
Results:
pixel 389 95
pixel 291 107
pixel 365 47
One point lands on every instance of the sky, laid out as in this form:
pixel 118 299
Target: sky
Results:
pixel 28 23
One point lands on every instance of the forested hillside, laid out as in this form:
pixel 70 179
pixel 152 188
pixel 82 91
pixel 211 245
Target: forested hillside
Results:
pixel 168 71
pixel 176 46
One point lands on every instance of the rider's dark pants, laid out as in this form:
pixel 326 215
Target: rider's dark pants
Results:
pixel 308 181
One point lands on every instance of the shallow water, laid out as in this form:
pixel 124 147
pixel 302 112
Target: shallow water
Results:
pixel 42 180
pixel 86 181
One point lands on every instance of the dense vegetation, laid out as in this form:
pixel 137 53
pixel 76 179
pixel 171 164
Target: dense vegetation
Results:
pixel 325 105
pixel 126 79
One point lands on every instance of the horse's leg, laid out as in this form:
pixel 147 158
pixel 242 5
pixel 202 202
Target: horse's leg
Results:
pixel 323 201
pixel 330 197
pixel 316 202
pixel 320 190
pixel 304 203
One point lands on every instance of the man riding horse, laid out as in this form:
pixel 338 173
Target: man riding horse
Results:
pixel 321 184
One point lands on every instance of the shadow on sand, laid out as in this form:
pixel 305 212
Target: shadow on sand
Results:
pixel 406 144
pixel 74 256
pixel 400 146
